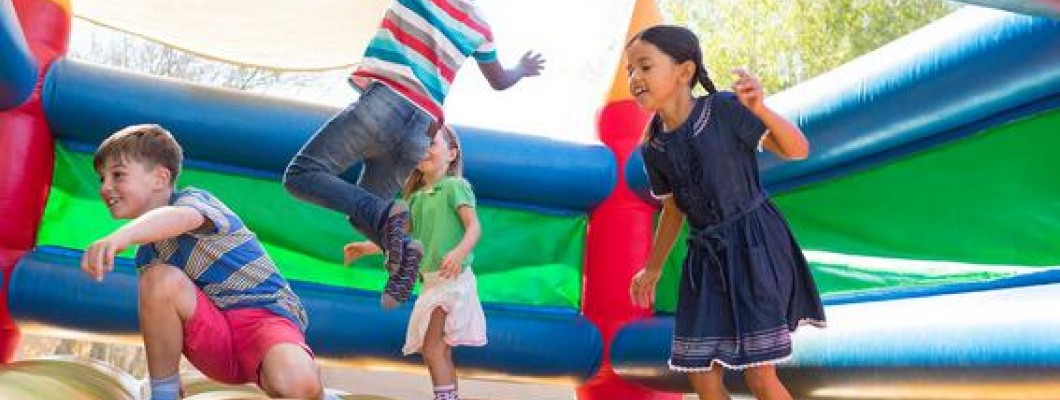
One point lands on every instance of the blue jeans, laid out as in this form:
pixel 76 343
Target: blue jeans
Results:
pixel 382 128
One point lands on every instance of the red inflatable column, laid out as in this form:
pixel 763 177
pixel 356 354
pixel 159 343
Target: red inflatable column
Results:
pixel 620 232
pixel 27 152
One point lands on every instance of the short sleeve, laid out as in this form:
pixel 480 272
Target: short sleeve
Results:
pixel 145 255
pixel 484 55
pixel 486 51
pixel 749 129
pixel 657 181
pixel 460 194
pixel 224 222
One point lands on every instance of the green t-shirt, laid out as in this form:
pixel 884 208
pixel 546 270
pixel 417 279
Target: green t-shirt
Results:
pixel 435 220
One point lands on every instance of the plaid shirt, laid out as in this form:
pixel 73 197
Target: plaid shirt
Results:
pixel 227 263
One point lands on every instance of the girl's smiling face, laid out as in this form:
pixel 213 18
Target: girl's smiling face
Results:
pixel 654 78
pixel 439 155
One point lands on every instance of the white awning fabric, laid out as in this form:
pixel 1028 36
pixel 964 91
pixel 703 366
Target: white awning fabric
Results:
pixel 296 35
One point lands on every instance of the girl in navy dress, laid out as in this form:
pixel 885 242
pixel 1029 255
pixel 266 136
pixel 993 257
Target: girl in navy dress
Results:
pixel 745 285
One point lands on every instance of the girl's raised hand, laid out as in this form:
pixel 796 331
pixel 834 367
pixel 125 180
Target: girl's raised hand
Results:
pixel 354 250
pixel 642 288
pixel 748 89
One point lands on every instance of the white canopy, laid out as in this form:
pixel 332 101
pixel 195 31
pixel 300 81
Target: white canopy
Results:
pixel 277 34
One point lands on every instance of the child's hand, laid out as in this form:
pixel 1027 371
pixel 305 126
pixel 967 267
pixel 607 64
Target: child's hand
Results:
pixel 642 288
pixel 748 89
pixel 452 264
pixel 98 258
pixel 354 250
pixel 531 64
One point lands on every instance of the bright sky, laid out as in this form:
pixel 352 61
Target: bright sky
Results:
pixel 581 42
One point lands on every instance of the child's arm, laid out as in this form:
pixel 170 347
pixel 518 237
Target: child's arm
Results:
pixel 500 78
pixel 157 224
pixel 454 261
pixel 354 250
pixel 785 139
pixel 642 289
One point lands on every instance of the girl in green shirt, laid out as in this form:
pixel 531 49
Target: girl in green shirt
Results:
pixel 448 312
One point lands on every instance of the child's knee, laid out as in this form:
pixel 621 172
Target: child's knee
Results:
pixel 714 377
pixel 760 377
pixel 162 281
pixel 291 180
pixel 289 371
pixel 299 380
pixel 432 351
pixel 296 177
pixel 435 349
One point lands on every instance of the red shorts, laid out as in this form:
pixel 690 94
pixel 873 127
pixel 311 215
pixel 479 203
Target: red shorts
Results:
pixel 229 345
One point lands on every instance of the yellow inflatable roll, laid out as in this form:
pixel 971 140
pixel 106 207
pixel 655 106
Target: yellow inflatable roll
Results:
pixel 67 378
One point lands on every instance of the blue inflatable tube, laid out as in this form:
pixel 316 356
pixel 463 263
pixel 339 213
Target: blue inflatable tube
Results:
pixel 965 68
pixel 18 70
pixel 1029 7
pixel 48 288
pixel 909 341
pixel 259 134
pixel 962 68
pixel 537 171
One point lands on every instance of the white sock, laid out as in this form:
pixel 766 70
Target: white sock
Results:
pixel 167 388
pixel 446 392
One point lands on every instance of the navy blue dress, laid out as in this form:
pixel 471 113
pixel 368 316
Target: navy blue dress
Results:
pixel 745 285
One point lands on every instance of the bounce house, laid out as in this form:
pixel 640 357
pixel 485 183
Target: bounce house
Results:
pixel 927 210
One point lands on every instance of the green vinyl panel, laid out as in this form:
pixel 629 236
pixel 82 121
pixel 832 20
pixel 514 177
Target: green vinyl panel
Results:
pixel 523 257
pixel 990 198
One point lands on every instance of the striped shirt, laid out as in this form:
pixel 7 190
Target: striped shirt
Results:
pixel 227 263
pixel 420 46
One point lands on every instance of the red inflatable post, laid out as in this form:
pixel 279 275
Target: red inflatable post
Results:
pixel 620 232
pixel 27 152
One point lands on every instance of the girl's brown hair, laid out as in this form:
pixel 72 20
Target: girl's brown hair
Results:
pixel 416 180
pixel 680 44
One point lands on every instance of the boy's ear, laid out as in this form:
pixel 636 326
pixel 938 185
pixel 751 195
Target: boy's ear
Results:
pixel 162 176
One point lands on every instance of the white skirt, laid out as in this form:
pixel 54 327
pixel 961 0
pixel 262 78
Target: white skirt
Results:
pixel 465 324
